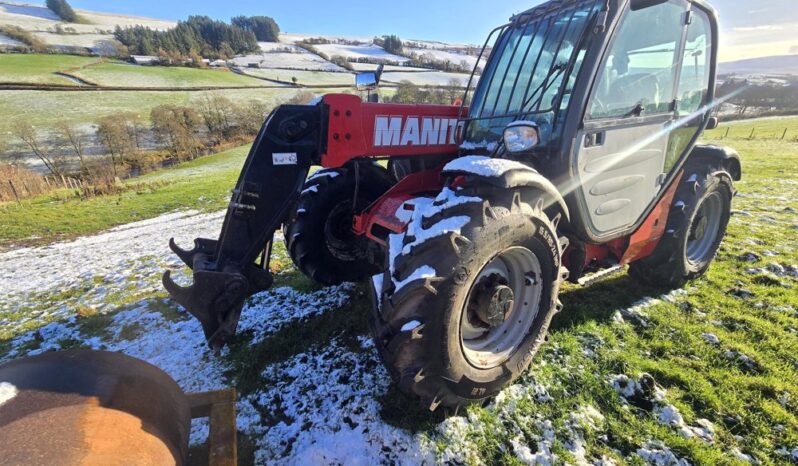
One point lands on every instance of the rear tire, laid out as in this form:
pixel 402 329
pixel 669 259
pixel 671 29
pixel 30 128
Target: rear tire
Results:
pixel 696 226
pixel 474 245
pixel 319 236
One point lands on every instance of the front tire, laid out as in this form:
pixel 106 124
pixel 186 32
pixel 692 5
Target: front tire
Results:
pixel 468 294
pixel 696 226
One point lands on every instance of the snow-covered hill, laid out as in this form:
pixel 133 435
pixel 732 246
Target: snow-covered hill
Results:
pixel 97 37
pixel 48 27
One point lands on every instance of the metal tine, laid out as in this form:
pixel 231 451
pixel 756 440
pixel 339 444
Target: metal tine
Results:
pixel 512 57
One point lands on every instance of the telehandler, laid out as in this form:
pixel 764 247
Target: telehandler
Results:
pixel 575 155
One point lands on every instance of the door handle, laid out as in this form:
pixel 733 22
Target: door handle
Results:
pixel 595 139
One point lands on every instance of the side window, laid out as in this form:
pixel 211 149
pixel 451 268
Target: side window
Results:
pixel 640 69
pixel 693 84
pixel 695 67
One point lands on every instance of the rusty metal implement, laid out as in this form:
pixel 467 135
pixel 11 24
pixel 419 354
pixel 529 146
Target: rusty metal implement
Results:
pixel 84 407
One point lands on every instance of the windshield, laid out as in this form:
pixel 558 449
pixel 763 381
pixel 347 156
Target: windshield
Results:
pixel 530 74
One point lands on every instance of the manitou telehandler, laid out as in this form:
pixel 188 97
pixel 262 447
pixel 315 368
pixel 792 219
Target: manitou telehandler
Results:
pixel 575 155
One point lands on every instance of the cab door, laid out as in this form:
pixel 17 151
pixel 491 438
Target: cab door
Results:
pixel 624 142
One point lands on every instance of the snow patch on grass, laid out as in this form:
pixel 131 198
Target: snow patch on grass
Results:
pixel 46 283
pixel 656 453
pixel 322 407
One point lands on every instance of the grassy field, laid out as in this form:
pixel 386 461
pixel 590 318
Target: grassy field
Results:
pixel 45 109
pixel 723 353
pixel 125 74
pixel 39 69
pixel 203 184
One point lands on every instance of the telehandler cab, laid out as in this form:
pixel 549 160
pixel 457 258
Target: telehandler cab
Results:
pixel 575 156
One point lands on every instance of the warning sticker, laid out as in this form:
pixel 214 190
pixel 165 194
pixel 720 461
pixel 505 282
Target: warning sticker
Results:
pixel 286 158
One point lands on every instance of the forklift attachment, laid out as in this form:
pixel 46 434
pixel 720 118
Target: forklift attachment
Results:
pixel 225 270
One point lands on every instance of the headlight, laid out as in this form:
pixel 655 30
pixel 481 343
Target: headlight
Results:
pixel 520 136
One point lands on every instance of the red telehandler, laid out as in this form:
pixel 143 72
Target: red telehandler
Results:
pixel 576 155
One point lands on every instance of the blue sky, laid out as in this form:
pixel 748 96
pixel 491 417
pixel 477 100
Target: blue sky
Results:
pixel 750 27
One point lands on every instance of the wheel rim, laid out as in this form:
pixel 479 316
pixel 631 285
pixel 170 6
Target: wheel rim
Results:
pixel 704 230
pixel 339 237
pixel 487 337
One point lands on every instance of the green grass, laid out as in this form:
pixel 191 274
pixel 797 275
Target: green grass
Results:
pixel 39 69
pixel 124 74
pixel 203 184
pixel 753 408
pixel 45 109
pixel 745 405
pixel 761 128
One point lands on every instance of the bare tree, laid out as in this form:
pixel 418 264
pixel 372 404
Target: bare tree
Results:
pixel 75 140
pixel 217 114
pixel 27 134
pixel 454 90
pixel 114 135
pixel 176 128
pixel 302 97
pixel 249 118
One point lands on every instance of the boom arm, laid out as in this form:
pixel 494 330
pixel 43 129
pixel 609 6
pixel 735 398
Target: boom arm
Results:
pixel 337 130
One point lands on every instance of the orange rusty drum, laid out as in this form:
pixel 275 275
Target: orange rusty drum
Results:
pixel 91 408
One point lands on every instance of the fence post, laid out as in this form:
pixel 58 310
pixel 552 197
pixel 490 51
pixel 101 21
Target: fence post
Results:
pixel 751 137
pixel 727 132
pixel 14 190
pixel 784 135
pixel 63 181
pixel 47 180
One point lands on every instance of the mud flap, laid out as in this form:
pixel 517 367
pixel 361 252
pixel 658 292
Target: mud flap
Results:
pixel 225 271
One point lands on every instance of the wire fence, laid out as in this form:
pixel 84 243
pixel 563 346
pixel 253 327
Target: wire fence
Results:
pixel 752 133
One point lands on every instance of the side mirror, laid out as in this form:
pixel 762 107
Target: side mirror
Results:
pixel 366 81
pixel 521 136
pixel 369 80
pixel 641 4
pixel 713 123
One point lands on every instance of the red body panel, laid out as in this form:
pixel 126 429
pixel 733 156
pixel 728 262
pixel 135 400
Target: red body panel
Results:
pixel 360 129
pixel 363 129
pixel 643 242
pixel 382 213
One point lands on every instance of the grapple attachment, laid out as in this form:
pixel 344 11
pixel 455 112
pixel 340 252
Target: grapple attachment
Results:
pixel 225 270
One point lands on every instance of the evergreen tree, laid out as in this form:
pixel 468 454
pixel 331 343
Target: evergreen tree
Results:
pixel 63 10
pixel 392 44
pixel 264 27
pixel 214 39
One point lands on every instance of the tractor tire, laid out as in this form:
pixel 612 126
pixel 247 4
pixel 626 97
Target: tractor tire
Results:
pixel 696 226
pixel 468 293
pixel 319 236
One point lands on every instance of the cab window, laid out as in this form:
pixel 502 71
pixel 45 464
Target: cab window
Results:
pixel 640 70
pixel 694 79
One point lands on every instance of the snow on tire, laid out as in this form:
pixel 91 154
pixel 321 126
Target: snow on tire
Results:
pixel 475 244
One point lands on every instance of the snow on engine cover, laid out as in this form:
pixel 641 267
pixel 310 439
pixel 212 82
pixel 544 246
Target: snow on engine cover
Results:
pixel 362 129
